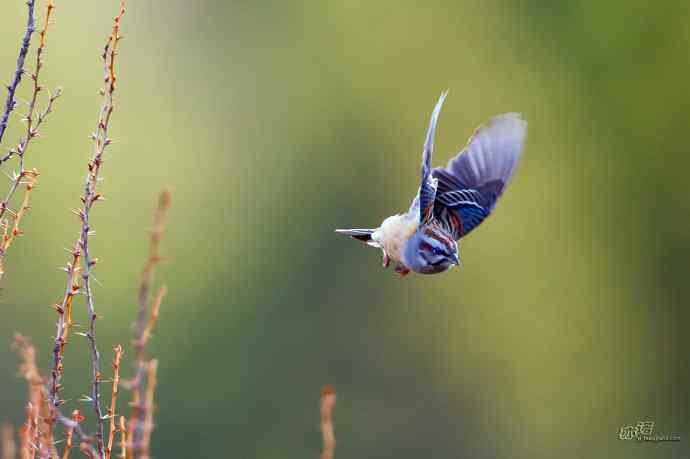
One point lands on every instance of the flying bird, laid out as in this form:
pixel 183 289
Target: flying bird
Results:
pixel 452 200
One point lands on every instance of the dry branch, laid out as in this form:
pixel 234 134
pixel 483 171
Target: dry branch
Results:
pixel 113 400
pixel 145 323
pixel 151 381
pixel 9 234
pixel 123 438
pixel 64 324
pixel 43 410
pixel 27 446
pixel 159 219
pixel 89 198
pixel 9 446
pixel 34 119
pixel 39 421
pixel 69 434
pixel 10 102
pixel 327 404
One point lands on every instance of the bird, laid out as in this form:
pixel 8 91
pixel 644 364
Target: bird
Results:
pixel 451 201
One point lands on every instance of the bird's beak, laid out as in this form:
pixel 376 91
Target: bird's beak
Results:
pixel 454 258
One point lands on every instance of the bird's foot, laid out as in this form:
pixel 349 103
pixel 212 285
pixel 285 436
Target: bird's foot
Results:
pixel 386 261
pixel 402 271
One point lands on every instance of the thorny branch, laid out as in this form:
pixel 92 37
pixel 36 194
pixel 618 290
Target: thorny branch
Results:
pixel 101 142
pixel 144 326
pixel 64 324
pixel 10 102
pixel 9 234
pixel 33 121
pixel 34 439
pixel 43 411
pixel 40 437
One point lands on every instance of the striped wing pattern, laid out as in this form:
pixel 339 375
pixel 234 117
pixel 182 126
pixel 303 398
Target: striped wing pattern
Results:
pixel 471 183
pixel 427 186
pixel 460 211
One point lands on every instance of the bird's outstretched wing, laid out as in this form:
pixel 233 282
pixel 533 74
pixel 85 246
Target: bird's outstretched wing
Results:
pixel 427 186
pixel 470 184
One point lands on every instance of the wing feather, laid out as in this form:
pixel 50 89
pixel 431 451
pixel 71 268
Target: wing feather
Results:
pixel 427 186
pixel 471 183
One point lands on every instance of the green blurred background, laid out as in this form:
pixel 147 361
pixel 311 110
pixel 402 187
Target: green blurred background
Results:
pixel 276 122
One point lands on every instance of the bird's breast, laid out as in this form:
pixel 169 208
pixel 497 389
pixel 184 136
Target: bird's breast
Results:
pixel 394 233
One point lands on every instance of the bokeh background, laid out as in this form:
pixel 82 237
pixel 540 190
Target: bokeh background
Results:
pixel 276 122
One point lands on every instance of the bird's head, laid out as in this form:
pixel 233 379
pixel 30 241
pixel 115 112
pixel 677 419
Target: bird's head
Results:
pixel 431 250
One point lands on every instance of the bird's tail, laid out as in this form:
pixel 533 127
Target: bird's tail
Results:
pixel 363 235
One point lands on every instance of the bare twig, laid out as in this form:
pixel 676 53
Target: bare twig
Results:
pixel 37 434
pixel 153 318
pixel 101 141
pixel 21 148
pixel 123 438
pixel 10 234
pixel 10 102
pixel 159 219
pixel 40 424
pixel 73 424
pixel 113 400
pixel 88 451
pixel 9 446
pixel 151 382
pixel 327 404
pixel 64 324
pixel 28 446
pixel 76 418
pixel 146 322
pixel 36 390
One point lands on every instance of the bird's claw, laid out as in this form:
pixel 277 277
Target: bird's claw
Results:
pixel 402 271
pixel 386 260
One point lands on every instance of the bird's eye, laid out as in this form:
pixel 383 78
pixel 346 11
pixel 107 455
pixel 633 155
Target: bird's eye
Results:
pixel 438 251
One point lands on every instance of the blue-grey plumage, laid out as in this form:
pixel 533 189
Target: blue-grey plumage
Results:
pixel 427 184
pixel 451 201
